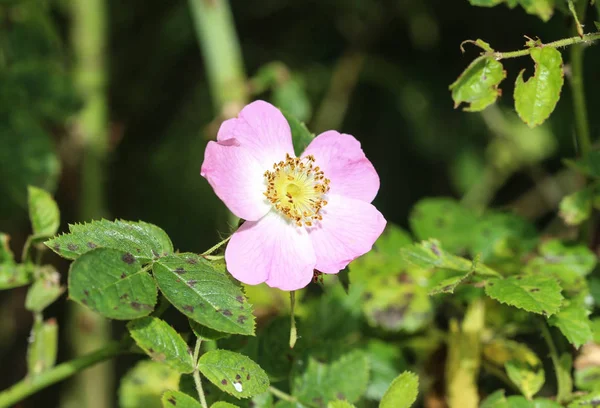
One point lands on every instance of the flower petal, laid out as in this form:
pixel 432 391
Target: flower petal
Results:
pixel 345 164
pixel 348 230
pixel 271 250
pixel 237 178
pixel 261 128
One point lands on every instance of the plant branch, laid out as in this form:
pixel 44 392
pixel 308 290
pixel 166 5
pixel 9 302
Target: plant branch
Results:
pixel 29 386
pixel 587 38
pixel 196 374
pixel 564 389
pixel 214 248
pixel 578 26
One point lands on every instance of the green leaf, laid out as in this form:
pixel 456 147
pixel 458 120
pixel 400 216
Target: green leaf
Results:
pixel 564 368
pixel 516 401
pixel 222 404
pixel 402 392
pixel 43 212
pixel 162 343
pixel 500 351
pixel 495 400
pixel 13 275
pixel 44 290
pixel 112 283
pixel 478 84
pixel 536 294
pixel 290 96
pixel 144 385
pixel 301 136
pixel 536 99
pixel 443 219
pixel 6 255
pixel 233 373
pixel 324 383
pixel 588 378
pixel 574 323
pixel 43 347
pixel 485 3
pixel 385 362
pixel 447 285
pixel 577 207
pixel 178 399
pixel 205 293
pixel 529 379
pixel 204 333
pixel 541 8
pixel 340 404
pixel 142 240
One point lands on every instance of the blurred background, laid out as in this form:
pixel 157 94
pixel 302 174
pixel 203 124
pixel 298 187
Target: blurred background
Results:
pixel 109 105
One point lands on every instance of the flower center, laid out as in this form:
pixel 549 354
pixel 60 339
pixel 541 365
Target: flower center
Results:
pixel 296 187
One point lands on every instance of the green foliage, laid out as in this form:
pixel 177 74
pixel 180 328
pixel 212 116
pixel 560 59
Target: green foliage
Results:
pixel 221 404
pixel 536 294
pixel 204 292
pixel 14 275
pixel 141 240
pixel 542 8
pixel 45 290
pixel 529 379
pixel 402 392
pixel 178 399
pixel 204 333
pixel 588 165
pixel 478 84
pixel 113 283
pixel 536 99
pixel 43 347
pixel 574 323
pixel 577 207
pixel 144 385
pixel 233 373
pixel 162 343
pixel 43 212
pixel 322 383
pixel 301 136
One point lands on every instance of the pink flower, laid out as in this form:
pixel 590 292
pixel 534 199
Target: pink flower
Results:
pixel 301 214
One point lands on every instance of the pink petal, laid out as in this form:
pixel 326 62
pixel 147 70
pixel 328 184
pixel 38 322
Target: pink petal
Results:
pixel 261 128
pixel 237 178
pixel 348 230
pixel 345 164
pixel 271 250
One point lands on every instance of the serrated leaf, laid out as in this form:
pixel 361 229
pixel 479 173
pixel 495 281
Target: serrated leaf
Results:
pixel 324 383
pixel 204 333
pixel 6 255
pixel 536 99
pixel 178 399
pixel 447 285
pixel 478 84
pixel 142 240
pixel 577 207
pixel 43 213
pixel 162 343
pixel 15 275
pixel 233 373
pixel 112 283
pixel 529 379
pixel 44 290
pixel 573 321
pixel 402 392
pixel 144 385
pixel 301 136
pixel 443 219
pixel 205 293
pixel 43 347
pixel 222 404
pixel 536 294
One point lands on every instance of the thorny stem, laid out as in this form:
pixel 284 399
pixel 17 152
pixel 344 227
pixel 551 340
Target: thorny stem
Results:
pixel 196 374
pixel 555 44
pixel 30 386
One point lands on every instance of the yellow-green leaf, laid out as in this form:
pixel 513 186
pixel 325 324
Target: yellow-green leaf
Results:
pixel 43 212
pixel 171 399
pixel 529 379
pixel 536 98
pixel 536 294
pixel 402 392
pixel 478 84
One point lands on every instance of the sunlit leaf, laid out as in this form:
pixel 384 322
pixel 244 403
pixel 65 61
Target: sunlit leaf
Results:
pixel 537 294
pixel 171 399
pixel 43 212
pixel 529 379
pixel 204 292
pixel 577 207
pixel 112 283
pixel 162 343
pixel 144 385
pixel 233 373
pixel 536 99
pixel 141 240
pixel 574 323
pixel 402 392
pixel 478 84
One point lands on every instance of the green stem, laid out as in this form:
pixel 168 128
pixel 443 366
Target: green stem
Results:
pixel 577 89
pixel 196 374
pixel 574 13
pixel 282 395
pixel 30 386
pixel 293 330
pixel 222 54
pixel 214 248
pixel 564 390
pixel 555 44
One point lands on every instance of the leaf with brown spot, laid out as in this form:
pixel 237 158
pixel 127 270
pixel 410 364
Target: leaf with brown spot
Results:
pixel 172 399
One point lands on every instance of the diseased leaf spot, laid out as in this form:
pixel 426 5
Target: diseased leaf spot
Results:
pixel 227 313
pixel 191 261
pixel 56 247
pixel 248 377
pixel 533 290
pixel 72 247
pixel 123 275
pixel 86 292
pixel 238 377
pixel 180 271
pixel 172 401
pixel 192 282
pixel 189 308
pixel 242 319
pixel 128 258
pixel 91 245
pixel 340 396
pixel 224 381
pixel 239 298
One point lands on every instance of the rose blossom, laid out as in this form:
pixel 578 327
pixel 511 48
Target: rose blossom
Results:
pixel 302 214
